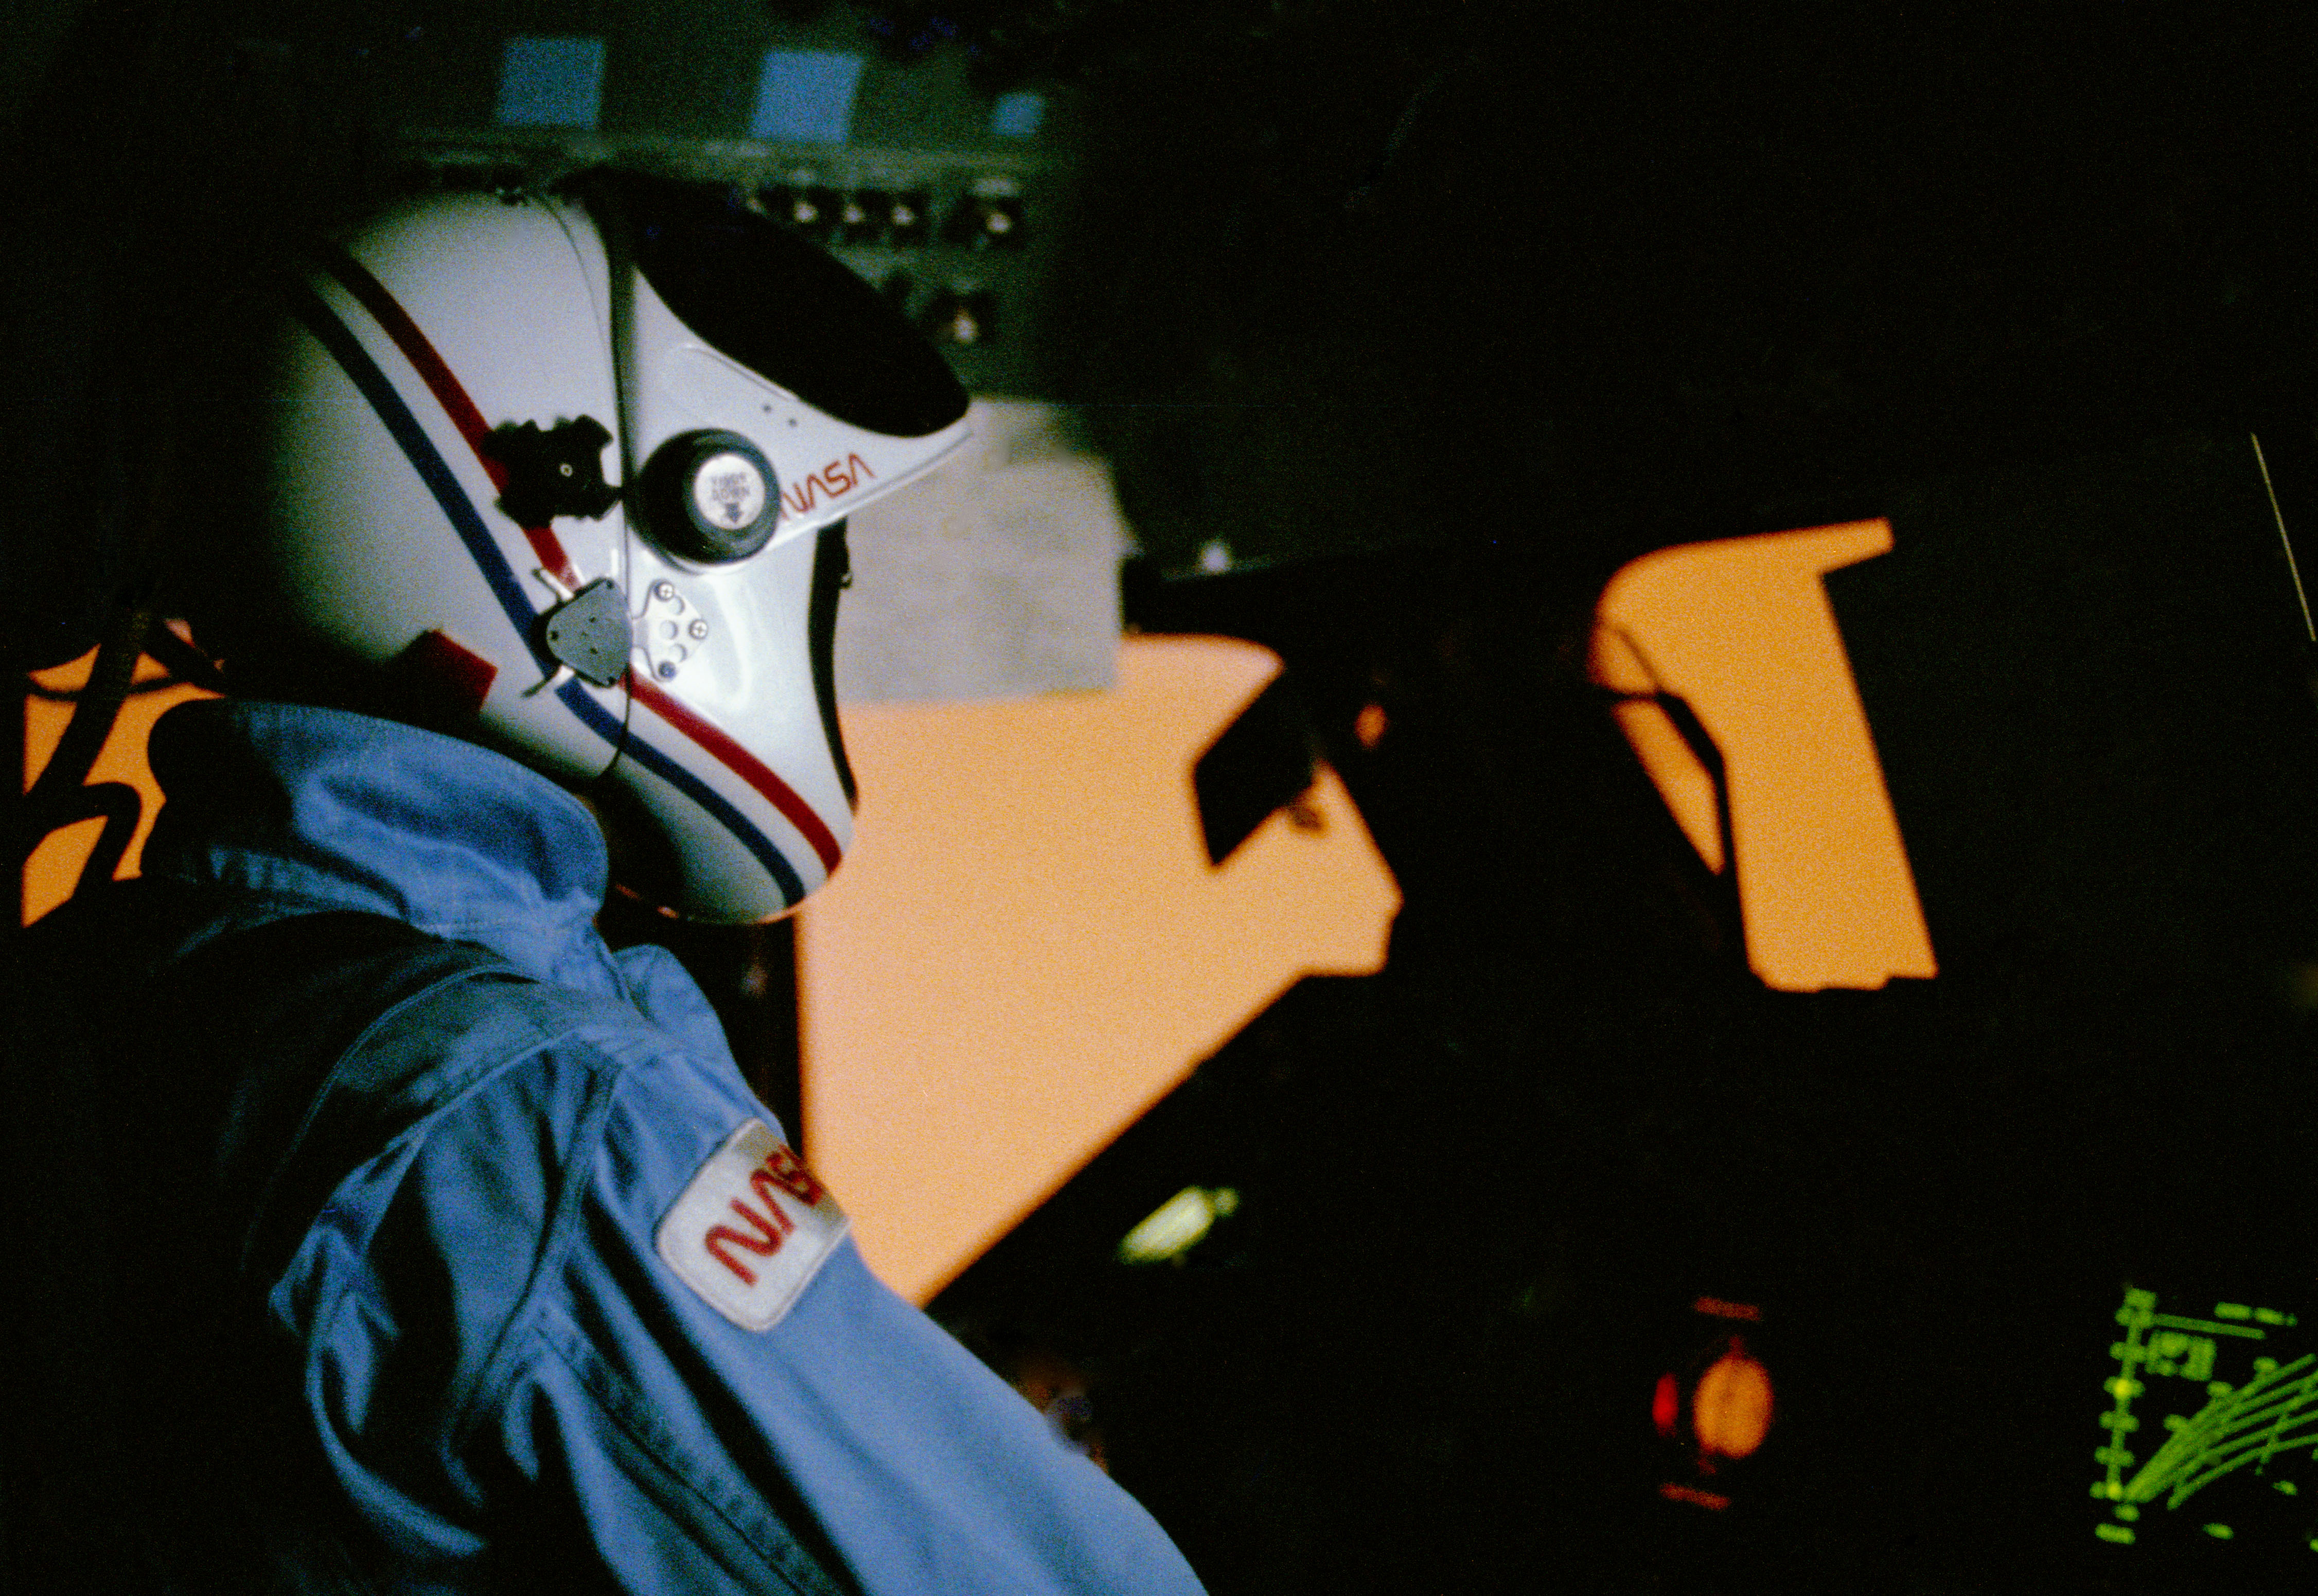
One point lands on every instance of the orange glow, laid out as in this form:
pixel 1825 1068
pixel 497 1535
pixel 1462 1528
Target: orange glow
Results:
pixel 1686 785
pixel 1741 630
pixel 1706 1498
pixel 1027 946
pixel 1731 1408
pixel 55 866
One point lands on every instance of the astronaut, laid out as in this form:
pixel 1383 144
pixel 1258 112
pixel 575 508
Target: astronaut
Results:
pixel 513 1281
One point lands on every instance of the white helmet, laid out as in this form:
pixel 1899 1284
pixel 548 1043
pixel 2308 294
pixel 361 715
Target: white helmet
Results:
pixel 439 504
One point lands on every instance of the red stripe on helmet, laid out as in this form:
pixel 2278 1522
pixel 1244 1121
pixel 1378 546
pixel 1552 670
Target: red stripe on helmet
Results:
pixel 396 323
pixel 742 763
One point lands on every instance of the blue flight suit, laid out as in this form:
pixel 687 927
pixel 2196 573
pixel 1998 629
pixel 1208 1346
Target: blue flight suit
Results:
pixel 487 1336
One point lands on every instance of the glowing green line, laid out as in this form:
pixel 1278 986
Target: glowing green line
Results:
pixel 2132 1315
pixel 2293 569
pixel 2248 1404
pixel 2198 1456
pixel 2207 1438
pixel 2282 1405
pixel 2309 1388
pixel 2242 1448
pixel 2210 1326
pixel 2189 1488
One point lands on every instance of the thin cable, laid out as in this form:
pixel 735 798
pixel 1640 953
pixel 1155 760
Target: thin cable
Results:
pixel 2291 566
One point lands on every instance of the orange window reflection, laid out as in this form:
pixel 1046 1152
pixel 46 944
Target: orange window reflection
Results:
pixel 55 866
pixel 1741 630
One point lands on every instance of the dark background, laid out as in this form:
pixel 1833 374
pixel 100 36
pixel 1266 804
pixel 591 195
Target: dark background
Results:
pixel 1433 316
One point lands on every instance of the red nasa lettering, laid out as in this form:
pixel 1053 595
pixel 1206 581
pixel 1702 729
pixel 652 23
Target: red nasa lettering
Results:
pixel 784 1169
pixel 781 1171
pixel 765 1243
pixel 833 480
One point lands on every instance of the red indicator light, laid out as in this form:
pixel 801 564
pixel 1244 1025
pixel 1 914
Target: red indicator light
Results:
pixel 1666 1405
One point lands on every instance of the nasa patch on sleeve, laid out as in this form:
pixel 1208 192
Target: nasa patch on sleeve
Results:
pixel 752 1230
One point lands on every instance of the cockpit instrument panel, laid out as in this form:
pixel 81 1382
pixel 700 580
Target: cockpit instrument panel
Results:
pixel 2209 1423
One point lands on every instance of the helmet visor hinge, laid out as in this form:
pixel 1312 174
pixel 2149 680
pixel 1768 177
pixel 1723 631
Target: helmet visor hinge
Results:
pixel 590 632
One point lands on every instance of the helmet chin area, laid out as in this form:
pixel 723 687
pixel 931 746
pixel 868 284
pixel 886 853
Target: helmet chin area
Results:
pixel 727 751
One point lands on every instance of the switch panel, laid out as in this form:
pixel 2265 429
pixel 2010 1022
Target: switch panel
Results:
pixel 951 197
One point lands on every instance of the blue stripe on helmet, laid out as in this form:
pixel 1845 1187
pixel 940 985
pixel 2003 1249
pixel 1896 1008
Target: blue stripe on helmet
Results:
pixel 420 451
pixel 717 804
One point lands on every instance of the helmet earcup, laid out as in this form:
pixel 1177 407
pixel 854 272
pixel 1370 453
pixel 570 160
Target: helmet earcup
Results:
pixel 711 498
